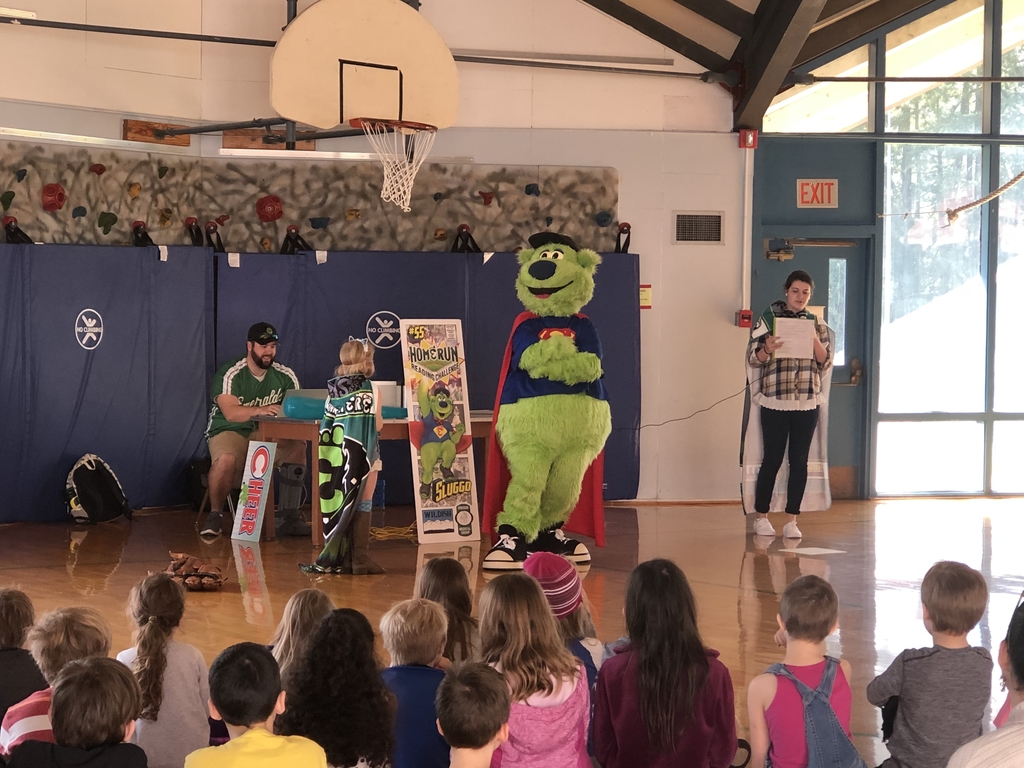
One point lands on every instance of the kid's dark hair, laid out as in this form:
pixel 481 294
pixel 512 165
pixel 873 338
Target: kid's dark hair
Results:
pixel 798 275
pixel 661 618
pixel 93 701
pixel 156 605
pixel 1015 647
pixel 336 696
pixel 16 616
pixel 472 704
pixel 809 609
pixel 245 684
pixel 444 581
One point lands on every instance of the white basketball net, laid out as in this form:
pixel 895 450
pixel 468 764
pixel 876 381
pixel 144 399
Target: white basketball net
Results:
pixel 401 151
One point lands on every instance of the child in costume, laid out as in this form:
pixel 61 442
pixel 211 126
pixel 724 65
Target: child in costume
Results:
pixel 551 415
pixel 550 713
pixel 349 460
pixel 172 675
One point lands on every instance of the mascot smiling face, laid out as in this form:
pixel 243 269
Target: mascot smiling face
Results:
pixel 556 279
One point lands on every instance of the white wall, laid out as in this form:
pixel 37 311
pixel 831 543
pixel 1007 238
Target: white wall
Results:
pixel 668 138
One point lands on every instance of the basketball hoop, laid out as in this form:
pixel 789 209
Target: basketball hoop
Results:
pixel 401 146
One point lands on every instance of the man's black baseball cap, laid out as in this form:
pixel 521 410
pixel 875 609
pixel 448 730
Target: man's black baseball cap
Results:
pixel 263 333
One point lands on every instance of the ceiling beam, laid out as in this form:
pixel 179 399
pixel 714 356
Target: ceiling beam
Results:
pixel 837 9
pixel 658 32
pixel 724 14
pixel 851 27
pixel 781 32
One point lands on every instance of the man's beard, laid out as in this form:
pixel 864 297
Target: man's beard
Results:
pixel 260 362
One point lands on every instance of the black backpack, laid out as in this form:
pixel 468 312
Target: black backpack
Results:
pixel 93 493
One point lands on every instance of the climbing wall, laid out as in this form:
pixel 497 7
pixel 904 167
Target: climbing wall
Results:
pixel 89 196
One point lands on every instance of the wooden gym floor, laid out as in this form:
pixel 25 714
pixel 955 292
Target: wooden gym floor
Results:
pixel 880 551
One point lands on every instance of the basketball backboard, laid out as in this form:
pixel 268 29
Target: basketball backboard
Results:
pixel 345 59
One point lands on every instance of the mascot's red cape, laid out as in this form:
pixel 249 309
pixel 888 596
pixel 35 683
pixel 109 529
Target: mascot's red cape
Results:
pixel 587 518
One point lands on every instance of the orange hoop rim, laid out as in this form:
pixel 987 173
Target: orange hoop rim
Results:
pixel 361 122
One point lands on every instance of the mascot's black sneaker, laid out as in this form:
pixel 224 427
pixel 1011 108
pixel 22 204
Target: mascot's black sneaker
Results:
pixel 424 491
pixel 555 540
pixel 508 553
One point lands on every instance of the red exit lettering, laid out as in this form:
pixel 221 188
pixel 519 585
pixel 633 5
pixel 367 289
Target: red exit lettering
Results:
pixel 817 193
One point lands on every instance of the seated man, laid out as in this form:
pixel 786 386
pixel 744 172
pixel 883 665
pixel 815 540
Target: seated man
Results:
pixel 243 389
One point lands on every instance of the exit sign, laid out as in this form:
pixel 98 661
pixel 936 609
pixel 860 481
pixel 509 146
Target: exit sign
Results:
pixel 817 193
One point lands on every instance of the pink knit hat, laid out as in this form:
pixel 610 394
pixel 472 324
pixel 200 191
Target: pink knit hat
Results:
pixel 558 579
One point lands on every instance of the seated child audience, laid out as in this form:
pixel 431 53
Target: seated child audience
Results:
pixel 472 714
pixel 665 699
pixel 19 674
pixel 414 633
pixel 809 613
pixel 302 615
pixel 943 690
pixel 172 675
pixel 245 692
pixel 444 580
pixel 95 704
pixel 564 592
pixel 550 711
pixel 1005 747
pixel 60 636
pixel 336 696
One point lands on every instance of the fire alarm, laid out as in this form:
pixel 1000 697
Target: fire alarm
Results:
pixel 744 318
pixel 748 138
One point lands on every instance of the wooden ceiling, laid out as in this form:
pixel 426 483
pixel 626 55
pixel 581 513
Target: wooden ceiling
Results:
pixel 761 41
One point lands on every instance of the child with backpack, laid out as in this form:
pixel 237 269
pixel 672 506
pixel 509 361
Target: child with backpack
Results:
pixel 664 699
pixel 801 707
pixel 550 713
pixel 171 675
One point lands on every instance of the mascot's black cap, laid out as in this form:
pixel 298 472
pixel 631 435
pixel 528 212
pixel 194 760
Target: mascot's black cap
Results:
pixel 439 388
pixel 548 238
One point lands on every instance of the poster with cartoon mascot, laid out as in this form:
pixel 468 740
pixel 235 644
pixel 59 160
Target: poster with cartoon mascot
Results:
pixel 440 433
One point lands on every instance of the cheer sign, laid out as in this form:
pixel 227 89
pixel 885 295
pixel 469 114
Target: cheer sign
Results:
pixel 252 502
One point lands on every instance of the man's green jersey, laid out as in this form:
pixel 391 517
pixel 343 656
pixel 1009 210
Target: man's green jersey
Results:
pixel 236 379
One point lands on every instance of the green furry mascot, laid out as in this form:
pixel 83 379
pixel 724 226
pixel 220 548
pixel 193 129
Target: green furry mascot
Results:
pixel 552 417
pixel 440 439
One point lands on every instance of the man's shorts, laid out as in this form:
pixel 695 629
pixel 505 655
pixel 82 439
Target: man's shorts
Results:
pixel 236 444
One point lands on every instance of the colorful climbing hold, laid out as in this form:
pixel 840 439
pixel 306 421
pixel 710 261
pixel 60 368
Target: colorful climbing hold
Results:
pixel 269 208
pixel 166 214
pixel 533 189
pixel 133 189
pixel 549 221
pixel 266 244
pixel 6 199
pixel 106 221
pixel 162 171
pixel 222 218
pixel 54 197
pixel 438 197
pixel 320 222
pixel 78 212
pixel 440 234
pixel 20 174
pixel 603 219
pixel 352 214
pixel 488 197
pixel 98 168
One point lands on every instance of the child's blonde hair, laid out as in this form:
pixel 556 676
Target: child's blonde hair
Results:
pixel 67 634
pixel 302 615
pixel 356 356
pixel 518 633
pixel 414 631
pixel 156 605
pixel 955 595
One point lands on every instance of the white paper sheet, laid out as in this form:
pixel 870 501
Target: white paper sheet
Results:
pixel 797 337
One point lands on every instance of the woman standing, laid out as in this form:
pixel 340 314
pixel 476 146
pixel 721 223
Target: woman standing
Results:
pixel 789 395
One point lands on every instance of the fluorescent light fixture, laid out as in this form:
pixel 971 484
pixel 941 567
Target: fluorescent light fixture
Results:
pixel 299 154
pixel 16 13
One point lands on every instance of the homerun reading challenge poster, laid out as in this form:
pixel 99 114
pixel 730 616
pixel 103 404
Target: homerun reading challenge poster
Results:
pixel 440 433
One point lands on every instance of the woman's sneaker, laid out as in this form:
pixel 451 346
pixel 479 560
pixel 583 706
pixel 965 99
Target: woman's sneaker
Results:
pixel 790 531
pixel 509 551
pixel 762 527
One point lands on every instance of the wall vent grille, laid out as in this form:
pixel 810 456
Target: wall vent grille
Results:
pixel 698 228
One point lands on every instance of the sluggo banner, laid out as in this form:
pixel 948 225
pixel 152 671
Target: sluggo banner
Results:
pixel 440 432
pixel 252 502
